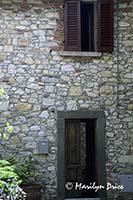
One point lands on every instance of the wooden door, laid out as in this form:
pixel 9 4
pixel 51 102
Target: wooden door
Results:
pixel 72 155
pixel 80 158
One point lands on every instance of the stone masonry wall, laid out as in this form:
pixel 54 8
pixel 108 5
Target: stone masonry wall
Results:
pixel 39 82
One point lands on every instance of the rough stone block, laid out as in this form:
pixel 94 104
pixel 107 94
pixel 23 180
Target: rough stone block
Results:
pixel 23 42
pixel 4 105
pixel 23 107
pixel 29 61
pixel 106 74
pixel 15 140
pixel 44 114
pixel 130 76
pixel 71 105
pixel 8 49
pixel 126 159
pixel 75 91
pixel 130 107
pixel 106 90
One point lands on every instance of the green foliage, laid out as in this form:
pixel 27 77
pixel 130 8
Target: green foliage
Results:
pixel 9 182
pixel 9 127
pixel 26 169
pixel 4 136
pixel 7 171
pixel 2 91
pixel 4 163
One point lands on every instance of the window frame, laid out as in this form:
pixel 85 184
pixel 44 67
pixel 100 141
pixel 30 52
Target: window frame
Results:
pixel 102 42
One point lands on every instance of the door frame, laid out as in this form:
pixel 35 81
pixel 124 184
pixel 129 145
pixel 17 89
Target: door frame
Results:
pixel 100 148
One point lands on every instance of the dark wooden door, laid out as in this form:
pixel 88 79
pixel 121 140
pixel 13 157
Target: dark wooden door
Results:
pixel 72 155
pixel 80 165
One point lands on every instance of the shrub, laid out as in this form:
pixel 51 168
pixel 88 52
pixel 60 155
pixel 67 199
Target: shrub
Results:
pixel 9 182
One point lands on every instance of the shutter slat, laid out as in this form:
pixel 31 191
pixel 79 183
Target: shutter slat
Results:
pixel 105 25
pixel 72 25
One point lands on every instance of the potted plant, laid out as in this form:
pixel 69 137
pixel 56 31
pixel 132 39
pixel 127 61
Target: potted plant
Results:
pixel 25 167
pixel 9 183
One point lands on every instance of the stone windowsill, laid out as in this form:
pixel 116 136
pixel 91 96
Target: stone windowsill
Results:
pixel 80 54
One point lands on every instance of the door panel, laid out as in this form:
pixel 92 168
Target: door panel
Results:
pixel 72 142
pixel 72 155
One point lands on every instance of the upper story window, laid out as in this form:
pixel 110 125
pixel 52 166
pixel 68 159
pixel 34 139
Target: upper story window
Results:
pixel 88 25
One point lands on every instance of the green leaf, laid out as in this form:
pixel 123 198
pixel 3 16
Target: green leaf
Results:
pixel 9 127
pixel 4 163
pixel 2 91
pixel 5 136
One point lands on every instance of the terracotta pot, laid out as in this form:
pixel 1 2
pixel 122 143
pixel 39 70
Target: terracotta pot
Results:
pixel 33 192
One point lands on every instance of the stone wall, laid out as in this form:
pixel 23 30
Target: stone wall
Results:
pixel 40 82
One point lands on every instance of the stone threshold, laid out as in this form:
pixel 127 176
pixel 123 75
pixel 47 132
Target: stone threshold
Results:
pixel 80 54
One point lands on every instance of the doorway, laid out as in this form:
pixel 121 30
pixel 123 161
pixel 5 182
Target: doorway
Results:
pixel 80 158
pixel 81 154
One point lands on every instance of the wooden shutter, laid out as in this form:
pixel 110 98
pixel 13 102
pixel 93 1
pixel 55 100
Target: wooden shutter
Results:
pixel 105 25
pixel 72 25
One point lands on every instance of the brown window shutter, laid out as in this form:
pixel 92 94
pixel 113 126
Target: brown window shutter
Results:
pixel 105 25
pixel 72 25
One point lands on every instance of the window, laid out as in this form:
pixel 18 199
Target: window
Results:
pixel 88 25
